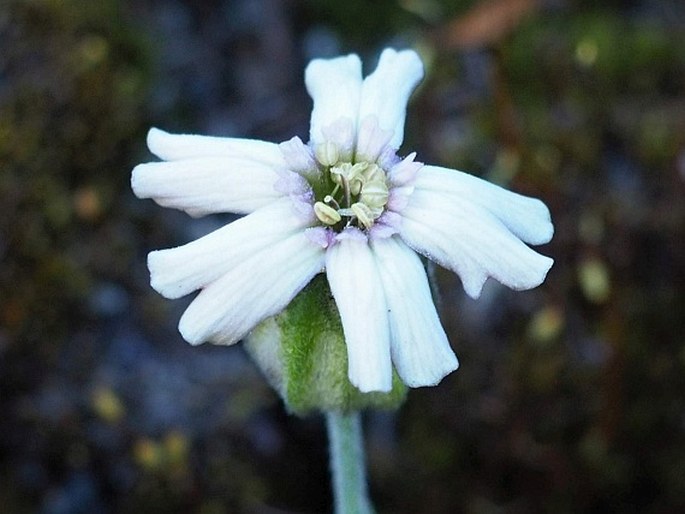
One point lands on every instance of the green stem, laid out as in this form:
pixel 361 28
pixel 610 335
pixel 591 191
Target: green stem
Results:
pixel 347 463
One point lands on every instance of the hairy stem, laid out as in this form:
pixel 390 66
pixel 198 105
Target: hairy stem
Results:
pixel 347 463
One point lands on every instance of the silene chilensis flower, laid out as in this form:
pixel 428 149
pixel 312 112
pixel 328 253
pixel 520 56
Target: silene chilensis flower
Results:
pixel 344 204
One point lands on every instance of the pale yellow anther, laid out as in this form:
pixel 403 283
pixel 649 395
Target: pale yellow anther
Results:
pixel 327 153
pixel 363 214
pixel 358 170
pixel 326 213
pixel 373 172
pixel 338 172
pixel 352 172
pixel 375 193
pixel 355 177
pixel 355 186
pixel 360 193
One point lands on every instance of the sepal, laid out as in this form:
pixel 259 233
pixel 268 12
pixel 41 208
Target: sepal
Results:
pixel 303 355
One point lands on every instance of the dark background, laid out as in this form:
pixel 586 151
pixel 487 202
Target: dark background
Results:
pixel 570 398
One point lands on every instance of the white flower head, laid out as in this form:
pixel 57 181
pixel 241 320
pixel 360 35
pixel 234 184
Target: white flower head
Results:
pixel 347 205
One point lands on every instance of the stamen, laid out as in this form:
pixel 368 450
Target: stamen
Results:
pixel 335 190
pixel 375 193
pixel 346 190
pixel 327 153
pixel 329 200
pixel 350 194
pixel 363 213
pixel 326 213
pixel 373 172
pixel 356 177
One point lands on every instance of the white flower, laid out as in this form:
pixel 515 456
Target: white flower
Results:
pixel 346 205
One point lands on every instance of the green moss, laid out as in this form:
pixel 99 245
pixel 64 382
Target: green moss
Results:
pixel 69 122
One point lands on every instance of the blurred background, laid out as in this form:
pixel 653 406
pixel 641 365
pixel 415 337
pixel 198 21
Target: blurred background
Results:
pixel 570 398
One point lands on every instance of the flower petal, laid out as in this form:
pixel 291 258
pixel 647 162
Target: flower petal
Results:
pixel 260 286
pixel 172 147
pixel 358 292
pixel 371 139
pixel 176 272
pixel 335 86
pixel 386 91
pixel 470 241
pixel 420 350
pixel 300 158
pixel 205 185
pixel 527 218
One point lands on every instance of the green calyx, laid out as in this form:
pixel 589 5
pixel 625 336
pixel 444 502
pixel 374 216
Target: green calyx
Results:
pixel 302 353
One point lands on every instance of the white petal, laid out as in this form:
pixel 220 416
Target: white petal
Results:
pixel 371 139
pixel 527 218
pixel 335 86
pixel 358 292
pixel 300 158
pixel 419 346
pixel 205 185
pixel 470 241
pixel 290 183
pixel 176 272
pixel 171 147
pixel 342 132
pixel 386 91
pixel 405 171
pixel 260 286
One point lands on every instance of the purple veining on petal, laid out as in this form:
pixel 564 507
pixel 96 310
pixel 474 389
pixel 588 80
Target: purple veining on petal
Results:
pixel 298 156
pixel 321 236
pixel 399 197
pixel 404 172
pixel 388 158
pixel 291 183
pixel 386 225
pixel 351 233
pixel 303 206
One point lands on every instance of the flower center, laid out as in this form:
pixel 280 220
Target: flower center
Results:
pixel 350 194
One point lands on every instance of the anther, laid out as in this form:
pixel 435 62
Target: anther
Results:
pixel 326 213
pixel 327 153
pixel 375 193
pixel 363 213
pixel 373 172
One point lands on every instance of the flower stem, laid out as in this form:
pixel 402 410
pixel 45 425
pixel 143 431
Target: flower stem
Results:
pixel 347 463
